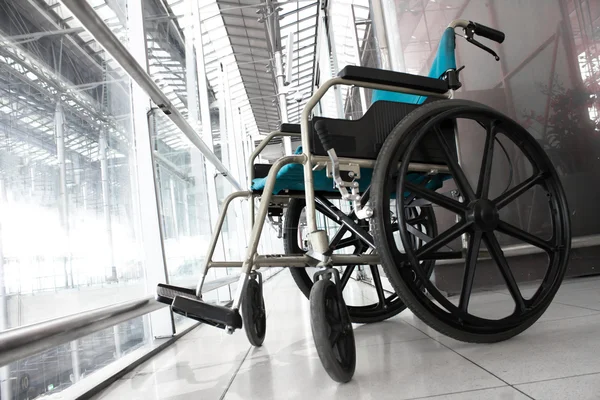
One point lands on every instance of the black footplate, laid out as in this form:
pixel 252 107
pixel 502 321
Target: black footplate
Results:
pixel 167 293
pixel 211 314
pixel 184 301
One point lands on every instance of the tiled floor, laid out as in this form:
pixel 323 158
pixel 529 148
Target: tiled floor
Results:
pixel 557 358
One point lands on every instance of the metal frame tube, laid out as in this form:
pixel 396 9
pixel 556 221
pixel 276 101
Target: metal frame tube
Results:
pixel 107 39
pixel 215 237
pixel 300 261
pixel 259 150
pixel 260 221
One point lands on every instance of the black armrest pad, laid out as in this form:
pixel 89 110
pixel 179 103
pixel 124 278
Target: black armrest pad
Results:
pixel 290 128
pixel 392 78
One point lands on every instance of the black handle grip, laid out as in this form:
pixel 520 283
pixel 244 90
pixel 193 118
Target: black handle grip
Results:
pixel 488 32
pixel 323 133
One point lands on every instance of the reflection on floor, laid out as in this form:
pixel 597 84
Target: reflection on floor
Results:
pixel 401 358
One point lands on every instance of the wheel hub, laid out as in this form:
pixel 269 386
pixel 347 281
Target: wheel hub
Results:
pixel 484 214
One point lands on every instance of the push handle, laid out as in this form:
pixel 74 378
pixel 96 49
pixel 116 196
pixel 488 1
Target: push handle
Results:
pixel 323 133
pixel 487 32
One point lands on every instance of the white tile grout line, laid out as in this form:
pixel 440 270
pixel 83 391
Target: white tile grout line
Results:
pixel 472 362
pixel 235 373
pixel 464 391
pixel 558 379
pixel 247 352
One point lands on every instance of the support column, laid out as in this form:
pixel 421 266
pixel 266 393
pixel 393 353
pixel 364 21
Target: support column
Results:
pixel 103 147
pixel 392 31
pixel 174 208
pixel 282 97
pixel 161 321
pixel 59 131
pixel 333 67
pixel 207 136
pixel 117 339
pixel 75 361
pixel 5 382
pixel 223 133
pixel 236 158
pixel 357 59
pixel 384 21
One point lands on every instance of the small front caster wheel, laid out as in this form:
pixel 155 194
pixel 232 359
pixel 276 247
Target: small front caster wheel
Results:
pixel 254 316
pixel 332 331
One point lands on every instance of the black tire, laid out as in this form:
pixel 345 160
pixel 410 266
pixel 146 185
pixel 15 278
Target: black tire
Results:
pixel 254 316
pixel 365 314
pixel 332 331
pixel 451 320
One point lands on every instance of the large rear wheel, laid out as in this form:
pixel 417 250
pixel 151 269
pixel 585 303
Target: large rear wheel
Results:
pixel 485 219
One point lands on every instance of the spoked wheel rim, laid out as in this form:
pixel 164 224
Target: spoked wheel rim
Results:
pixel 340 329
pixel 388 304
pixel 479 218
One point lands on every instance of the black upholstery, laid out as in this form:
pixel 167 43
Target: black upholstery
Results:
pixel 392 78
pixel 261 170
pixel 364 137
pixel 291 128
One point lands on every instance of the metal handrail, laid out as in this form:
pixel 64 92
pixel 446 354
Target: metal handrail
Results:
pixel 19 343
pixel 107 39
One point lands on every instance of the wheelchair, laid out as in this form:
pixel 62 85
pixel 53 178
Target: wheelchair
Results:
pixel 396 171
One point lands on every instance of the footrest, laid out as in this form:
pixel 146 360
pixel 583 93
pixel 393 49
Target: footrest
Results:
pixel 211 314
pixel 167 293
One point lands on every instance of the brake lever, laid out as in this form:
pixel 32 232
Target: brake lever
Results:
pixel 481 46
pixel 470 32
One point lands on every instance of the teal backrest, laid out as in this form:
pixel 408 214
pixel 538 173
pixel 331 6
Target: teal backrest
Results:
pixel 445 59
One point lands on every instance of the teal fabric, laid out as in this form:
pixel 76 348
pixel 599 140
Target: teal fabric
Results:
pixel 445 59
pixel 291 177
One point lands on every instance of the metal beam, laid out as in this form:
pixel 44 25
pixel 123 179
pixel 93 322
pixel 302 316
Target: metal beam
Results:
pixel 105 37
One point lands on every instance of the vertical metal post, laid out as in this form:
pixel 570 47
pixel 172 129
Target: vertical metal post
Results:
pixel 207 135
pixel 59 130
pixel 223 120
pixel 357 59
pixel 5 382
pixel 75 360
pixel 392 32
pixel 334 66
pixel 102 148
pixel 232 141
pixel 174 208
pixel 186 210
pixel 384 21
pixel 162 323
pixel 281 95
pixel 117 339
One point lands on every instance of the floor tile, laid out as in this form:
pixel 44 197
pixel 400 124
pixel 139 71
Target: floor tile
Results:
pixel 502 393
pixel 397 359
pixel 585 387
pixel 397 370
pixel 180 382
pixel 588 298
pixel 547 350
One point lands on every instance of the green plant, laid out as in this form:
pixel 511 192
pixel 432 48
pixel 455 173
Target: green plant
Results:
pixel 570 132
